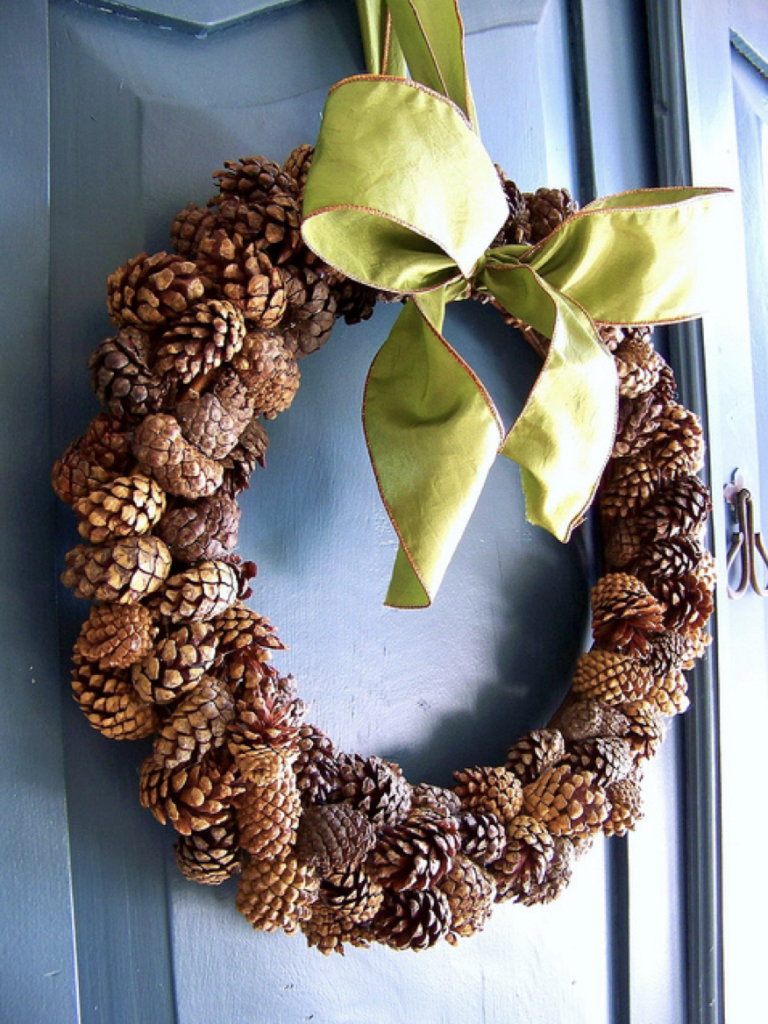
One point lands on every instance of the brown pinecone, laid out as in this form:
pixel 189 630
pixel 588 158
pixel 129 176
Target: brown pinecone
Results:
pixel 355 302
pixel 209 857
pixel 623 541
pixel 121 375
pixel 333 838
pixel 680 506
pixel 116 635
pixel 149 291
pixel 624 614
pixel 626 807
pixel 311 312
pixel 689 601
pixel 249 452
pixel 517 227
pixel 255 178
pixel 176 665
pixel 677 446
pixel 646 728
pixel 663 561
pixel 435 798
pixel 590 719
pixel 494 791
pixel 203 531
pixel 298 163
pixel 269 372
pixel 239 630
pixel 214 421
pixel 670 694
pixel 247 278
pixel 210 334
pixel 638 420
pixel 193 797
pixel 557 876
pixel 110 703
pixel 415 854
pixel 269 810
pixel 629 484
pixel 638 365
pixel 566 801
pixel 529 850
pixel 315 766
pixel 377 788
pixel 669 652
pixel 95 459
pixel 351 894
pixel 123 571
pixel 482 836
pixel 176 464
pixel 190 226
pixel 276 894
pixel 470 892
pixel 269 714
pixel 271 225
pixel 608 759
pixel 412 920
pixel 127 505
pixel 611 677
pixel 534 753
pixel 197 725
pixel 327 929
pixel 547 209
pixel 199 593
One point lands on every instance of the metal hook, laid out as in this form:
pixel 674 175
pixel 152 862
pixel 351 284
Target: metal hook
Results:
pixel 746 540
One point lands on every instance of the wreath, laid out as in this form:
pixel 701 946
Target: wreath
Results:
pixel 207 348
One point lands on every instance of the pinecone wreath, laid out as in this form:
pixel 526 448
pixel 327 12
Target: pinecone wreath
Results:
pixel 343 848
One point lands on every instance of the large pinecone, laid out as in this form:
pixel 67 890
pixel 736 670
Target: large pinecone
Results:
pixel 126 505
pixel 116 635
pixel 276 895
pixel 269 371
pixel 210 334
pixel 202 531
pixel 193 798
pixel 417 853
pixel 178 466
pixel 122 379
pixel 122 571
pixel 110 703
pixel 149 291
pixel 333 838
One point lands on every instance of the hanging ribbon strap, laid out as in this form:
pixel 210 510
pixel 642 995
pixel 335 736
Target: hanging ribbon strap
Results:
pixel 403 197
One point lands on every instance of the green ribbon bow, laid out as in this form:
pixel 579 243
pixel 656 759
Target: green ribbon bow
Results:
pixel 402 196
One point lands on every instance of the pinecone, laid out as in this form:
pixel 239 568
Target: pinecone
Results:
pixel 244 457
pixel 193 798
pixel 298 163
pixel 412 920
pixel 269 372
pixel 93 460
pixel 311 312
pixel 247 279
pixel 482 836
pixel 127 505
pixel 268 812
pixel 315 766
pixel 328 929
pixel 591 719
pixel 529 850
pixel 255 178
pixel 210 334
pixel 557 876
pixel 334 838
pixel 629 484
pixel 116 635
pixel 197 725
pixel 123 571
pixel 415 854
pixel 608 760
pixel 681 506
pixel 149 291
pixel 566 801
pixel 435 798
pixel 209 857
pixel 355 302
pixel 646 728
pixel 121 375
pixel 664 561
pixel 626 807
pixel 623 541
pixel 202 532
pixel 547 209
pixel 494 791
pixel 276 894
pixel 351 894
pixel 377 788
pixel 517 227
pixel 624 613
pixel 669 652
pixel 239 630
pixel 534 753
pixel 190 227
pixel 638 420
pixel 176 665
pixel 638 365
pixel 199 593
pixel 176 464
pixel 269 714
pixel 214 421
pixel 470 892
pixel 110 703
pixel 677 446
pixel 610 677
pixel 669 694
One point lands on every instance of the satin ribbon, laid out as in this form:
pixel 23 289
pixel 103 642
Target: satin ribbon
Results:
pixel 402 196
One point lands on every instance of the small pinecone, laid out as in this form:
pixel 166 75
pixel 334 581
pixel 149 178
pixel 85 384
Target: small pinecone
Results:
pixel 435 798
pixel 534 753
pixel 271 225
pixel 239 630
pixel 566 801
pixel 638 420
pixel 178 466
pixel 203 531
pixel 669 652
pixel 629 484
pixel 377 788
pixel 247 279
pixel 333 838
pixel 412 920
pixel 209 857
pixel 623 541
pixel 311 312
pixel 116 635
pixel 210 334
pixel 517 227
pixel 214 421
pixel 199 593
pixel 591 719
pixel 415 854
pixel 610 677
pixel 176 665
pixel 677 446
pixel 608 760
pixel 470 892
pixel 151 290
pixel 328 929
pixel 254 178
pixel 298 163
pixel 93 460
pixel 638 365
pixel 670 694
pixel 626 807
pixel 681 506
pixel 192 798
pixel 646 728
pixel 269 372
pixel 123 571
pixel 269 810
pixel 664 561
pixel 624 614
pixel 315 766
pixel 547 209
pixel 276 894
pixel 121 376
pixel 494 791
pixel 557 876
pixel 269 714
pixel 127 505
pixel 249 452
pixel 482 836
pixel 197 725
pixel 523 865
pixel 353 894
pixel 355 302
pixel 110 703
pixel 190 227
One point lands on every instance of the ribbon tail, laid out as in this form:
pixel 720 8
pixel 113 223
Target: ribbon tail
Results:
pixel 383 53
pixel 433 434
